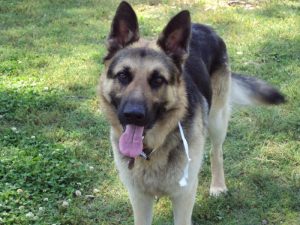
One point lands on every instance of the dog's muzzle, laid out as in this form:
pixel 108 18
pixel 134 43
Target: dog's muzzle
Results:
pixel 133 117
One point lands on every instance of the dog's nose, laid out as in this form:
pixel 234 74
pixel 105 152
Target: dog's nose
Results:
pixel 134 113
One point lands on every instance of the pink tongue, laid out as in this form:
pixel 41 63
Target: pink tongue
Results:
pixel 131 141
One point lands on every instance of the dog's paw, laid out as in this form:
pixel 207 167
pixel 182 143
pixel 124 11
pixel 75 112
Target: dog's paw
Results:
pixel 217 191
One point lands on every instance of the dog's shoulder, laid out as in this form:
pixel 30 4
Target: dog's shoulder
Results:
pixel 207 53
pixel 208 45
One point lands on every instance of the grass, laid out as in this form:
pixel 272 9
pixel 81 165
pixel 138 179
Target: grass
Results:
pixel 54 140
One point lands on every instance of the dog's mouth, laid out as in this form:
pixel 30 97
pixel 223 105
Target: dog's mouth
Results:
pixel 135 128
pixel 131 141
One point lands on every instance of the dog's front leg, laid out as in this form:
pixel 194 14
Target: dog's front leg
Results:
pixel 183 205
pixel 142 205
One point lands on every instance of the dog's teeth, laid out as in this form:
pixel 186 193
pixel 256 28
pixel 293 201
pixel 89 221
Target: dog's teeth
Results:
pixel 143 155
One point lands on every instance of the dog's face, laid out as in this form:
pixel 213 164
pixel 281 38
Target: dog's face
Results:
pixel 142 83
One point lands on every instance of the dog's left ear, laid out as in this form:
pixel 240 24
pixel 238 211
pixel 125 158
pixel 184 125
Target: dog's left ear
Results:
pixel 174 39
pixel 124 29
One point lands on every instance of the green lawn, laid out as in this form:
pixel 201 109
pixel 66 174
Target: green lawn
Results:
pixel 54 139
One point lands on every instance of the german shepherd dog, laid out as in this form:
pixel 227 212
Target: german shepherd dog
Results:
pixel 157 94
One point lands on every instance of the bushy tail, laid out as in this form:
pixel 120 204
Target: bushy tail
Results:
pixel 252 91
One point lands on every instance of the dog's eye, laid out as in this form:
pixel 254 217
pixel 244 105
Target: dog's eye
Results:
pixel 156 81
pixel 124 77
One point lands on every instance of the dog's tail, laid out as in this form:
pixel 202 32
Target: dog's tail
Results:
pixel 252 91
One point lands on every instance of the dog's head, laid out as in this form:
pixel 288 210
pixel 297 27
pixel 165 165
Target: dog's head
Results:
pixel 142 88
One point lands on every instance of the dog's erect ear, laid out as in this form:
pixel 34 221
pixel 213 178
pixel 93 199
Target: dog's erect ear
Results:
pixel 174 39
pixel 124 29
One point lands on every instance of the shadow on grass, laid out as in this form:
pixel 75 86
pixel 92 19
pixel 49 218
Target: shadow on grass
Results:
pixel 48 111
pixel 50 147
pixel 101 210
pixel 53 27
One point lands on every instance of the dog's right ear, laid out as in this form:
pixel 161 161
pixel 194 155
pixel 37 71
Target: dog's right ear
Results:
pixel 124 29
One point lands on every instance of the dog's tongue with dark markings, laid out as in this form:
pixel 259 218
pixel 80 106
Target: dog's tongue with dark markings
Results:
pixel 131 141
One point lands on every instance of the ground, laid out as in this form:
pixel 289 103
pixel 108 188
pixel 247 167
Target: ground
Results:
pixel 56 165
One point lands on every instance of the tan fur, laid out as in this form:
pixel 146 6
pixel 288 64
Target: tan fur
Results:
pixel 103 89
pixel 218 122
